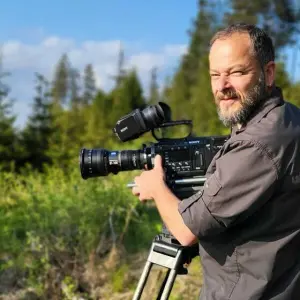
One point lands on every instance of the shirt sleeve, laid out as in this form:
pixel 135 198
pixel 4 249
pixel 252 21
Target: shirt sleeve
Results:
pixel 243 180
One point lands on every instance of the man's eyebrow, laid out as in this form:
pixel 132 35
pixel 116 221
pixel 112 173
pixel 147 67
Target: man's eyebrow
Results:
pixel 239 66
pixel 232 67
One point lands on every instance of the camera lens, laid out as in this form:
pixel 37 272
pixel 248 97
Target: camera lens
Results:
pixel 155 115
pixel 101 162
pixel 93 163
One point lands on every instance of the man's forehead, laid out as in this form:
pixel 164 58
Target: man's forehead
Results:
pixel 234 49
pixel 237 38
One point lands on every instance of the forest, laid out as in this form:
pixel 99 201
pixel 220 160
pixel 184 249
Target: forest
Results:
pixel 62 237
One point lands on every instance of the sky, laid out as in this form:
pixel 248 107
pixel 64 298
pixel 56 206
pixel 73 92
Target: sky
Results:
pixel 36 33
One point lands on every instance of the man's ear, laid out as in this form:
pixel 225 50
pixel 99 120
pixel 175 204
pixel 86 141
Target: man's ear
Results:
pixel 270 73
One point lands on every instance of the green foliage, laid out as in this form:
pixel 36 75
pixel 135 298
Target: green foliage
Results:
pixel 119 278
pixel 57 219
pixel 60 81
pixel 185 79
pixel 127 96
pixel 37 132
pixel 278 17
pixel 89 85
pixel 154 95
pixel 8 136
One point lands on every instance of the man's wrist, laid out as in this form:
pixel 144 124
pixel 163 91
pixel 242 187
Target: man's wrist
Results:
pixel 161 190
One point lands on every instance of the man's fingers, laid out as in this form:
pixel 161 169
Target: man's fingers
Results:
pixel 135 191
pixel 157 161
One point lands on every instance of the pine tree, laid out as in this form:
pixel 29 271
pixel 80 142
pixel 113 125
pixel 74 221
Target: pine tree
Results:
pixel 121 73
pixel 60 84
pixel 8 136
pixel 132 91
pixel 278 17
pixel 39 127
pixel 186 77
pixel 74 84
pixel 98 121
pixel 127 97
pixel 60 94
pixel 154 96
pixel 89 81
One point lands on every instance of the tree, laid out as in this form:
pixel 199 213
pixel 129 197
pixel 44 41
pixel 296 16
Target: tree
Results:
pixel 74 84
pixel 278 17
pixel 127 97
pixel 8 136
pixel 121 73
pixel 186 76
pixel 39 127
pixel 154 96
pixel 132 91
pixel 68 121
pixel 98 123
pixel 89 89
pixel 60 84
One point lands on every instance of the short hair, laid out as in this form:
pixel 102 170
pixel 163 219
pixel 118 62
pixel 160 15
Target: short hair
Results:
pixel 263 48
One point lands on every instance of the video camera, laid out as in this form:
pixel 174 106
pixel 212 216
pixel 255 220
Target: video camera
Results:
pixel 185 160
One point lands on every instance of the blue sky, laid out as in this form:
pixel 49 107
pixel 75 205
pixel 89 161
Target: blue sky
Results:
pixel 36 33
pixel 153 21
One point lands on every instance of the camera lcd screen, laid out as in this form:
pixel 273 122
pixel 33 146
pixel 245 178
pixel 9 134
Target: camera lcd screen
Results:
pixel 179 155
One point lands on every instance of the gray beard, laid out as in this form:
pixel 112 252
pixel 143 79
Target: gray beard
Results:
pixel 249 105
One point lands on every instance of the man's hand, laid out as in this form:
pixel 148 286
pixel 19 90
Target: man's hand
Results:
pixel 150 181
pixel 151 185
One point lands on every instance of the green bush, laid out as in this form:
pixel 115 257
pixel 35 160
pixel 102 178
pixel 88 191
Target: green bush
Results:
pixel 56 218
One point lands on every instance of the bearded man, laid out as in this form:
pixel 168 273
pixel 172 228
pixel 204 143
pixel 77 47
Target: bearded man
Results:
pixel 247 217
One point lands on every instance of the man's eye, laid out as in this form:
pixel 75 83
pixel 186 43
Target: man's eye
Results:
pixel 238 73
pixel 214 75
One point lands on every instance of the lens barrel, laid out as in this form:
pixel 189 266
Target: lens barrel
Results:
pixel 101 162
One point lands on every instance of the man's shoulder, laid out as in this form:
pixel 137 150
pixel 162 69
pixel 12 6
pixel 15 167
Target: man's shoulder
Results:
pixel 277 133
pixel 282 121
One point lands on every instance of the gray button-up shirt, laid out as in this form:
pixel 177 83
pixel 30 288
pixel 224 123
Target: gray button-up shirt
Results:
pixel 247 217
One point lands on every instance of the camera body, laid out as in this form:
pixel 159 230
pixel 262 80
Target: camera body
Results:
pixel 185 161
pixel 186 158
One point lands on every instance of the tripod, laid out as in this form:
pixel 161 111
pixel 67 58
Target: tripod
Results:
pixel 170 255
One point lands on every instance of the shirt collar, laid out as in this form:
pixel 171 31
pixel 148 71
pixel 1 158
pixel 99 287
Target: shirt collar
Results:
pixel 273 100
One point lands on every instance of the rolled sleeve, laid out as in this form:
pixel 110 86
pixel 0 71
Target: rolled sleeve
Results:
pixel 242 182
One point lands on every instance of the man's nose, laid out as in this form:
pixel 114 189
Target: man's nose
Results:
pixel 223 83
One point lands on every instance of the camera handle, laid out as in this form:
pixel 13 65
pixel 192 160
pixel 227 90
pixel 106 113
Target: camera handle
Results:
pixel 180 182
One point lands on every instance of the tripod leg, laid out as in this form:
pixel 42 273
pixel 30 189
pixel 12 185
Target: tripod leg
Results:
pixel 142 281
pixel 171 275
pixel 163 285
pixel 165 255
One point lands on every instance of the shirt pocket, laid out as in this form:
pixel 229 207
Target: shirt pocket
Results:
pixel 212 186
pixel 186 203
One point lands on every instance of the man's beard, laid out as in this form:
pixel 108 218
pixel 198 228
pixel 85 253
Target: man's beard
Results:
pixel 249 104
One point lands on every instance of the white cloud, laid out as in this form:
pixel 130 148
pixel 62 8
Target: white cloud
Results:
pixel 23 59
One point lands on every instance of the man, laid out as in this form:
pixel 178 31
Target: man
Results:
pixel 247 218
